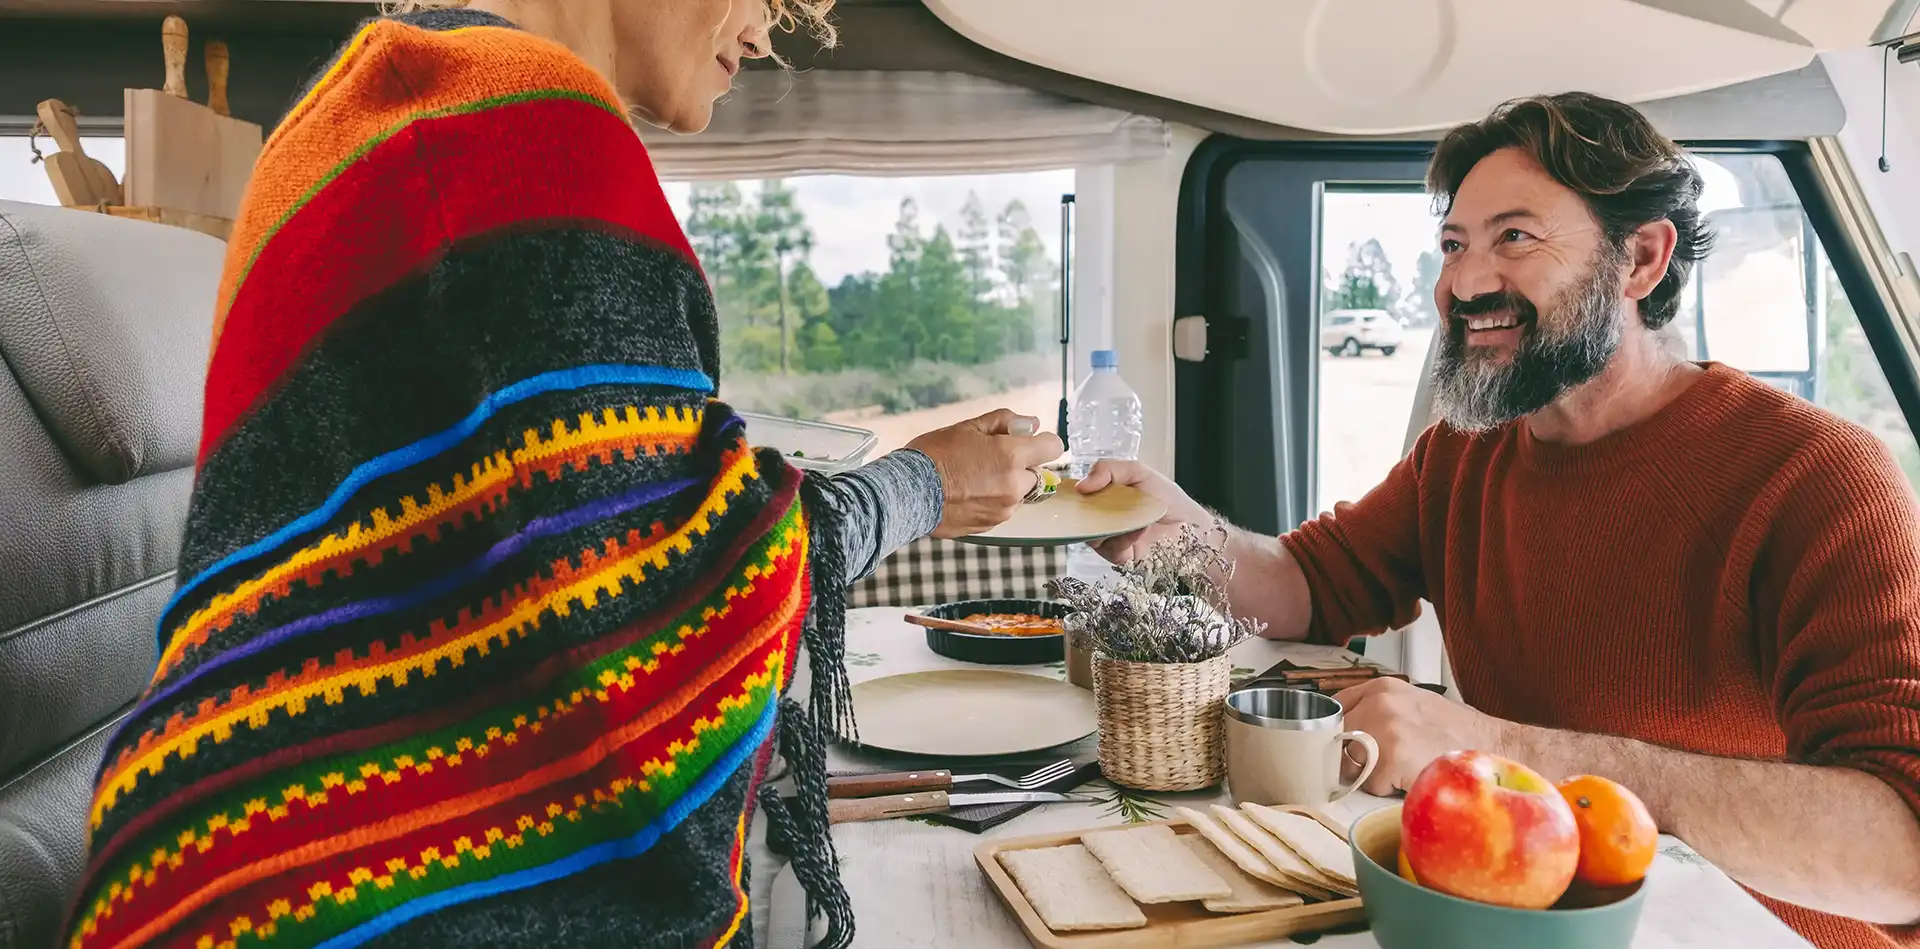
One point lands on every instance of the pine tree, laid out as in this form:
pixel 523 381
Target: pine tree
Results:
pixel 1031 275
pixel 974 241
pixel 945 301
pixel 1419 303
pixel 897 296
pixel 1367 283
pixel 781 227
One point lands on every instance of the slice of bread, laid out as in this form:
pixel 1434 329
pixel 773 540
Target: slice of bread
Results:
pixel 1153 867
pixel 1070 889
pixel 1250 894
pixel 1301 877
pixel 1310 839
pixel 1243 856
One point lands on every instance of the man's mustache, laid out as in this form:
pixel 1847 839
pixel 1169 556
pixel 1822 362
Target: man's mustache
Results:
pixel 1499 301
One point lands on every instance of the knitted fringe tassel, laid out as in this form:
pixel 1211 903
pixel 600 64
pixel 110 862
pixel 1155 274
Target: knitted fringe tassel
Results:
pixel 801 832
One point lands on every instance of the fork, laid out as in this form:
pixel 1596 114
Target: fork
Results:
pixel 900 782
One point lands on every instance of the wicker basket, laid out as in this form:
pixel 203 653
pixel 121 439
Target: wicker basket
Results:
pixel 1160 723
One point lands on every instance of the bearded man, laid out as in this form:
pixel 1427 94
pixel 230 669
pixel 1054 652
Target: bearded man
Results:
pixel 1664 572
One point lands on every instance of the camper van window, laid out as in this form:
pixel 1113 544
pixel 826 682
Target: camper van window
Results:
pixel 22 179
pixel 1767 302
pixel 897 305
pixel 1376 257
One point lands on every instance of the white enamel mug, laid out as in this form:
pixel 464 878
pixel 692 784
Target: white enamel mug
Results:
pixel 1284 746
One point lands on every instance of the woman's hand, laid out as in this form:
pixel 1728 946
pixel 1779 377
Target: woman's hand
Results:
pixel 985 471
pixel 1180 508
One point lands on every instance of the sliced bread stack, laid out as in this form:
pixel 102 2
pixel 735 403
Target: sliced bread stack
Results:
pixel 1244 860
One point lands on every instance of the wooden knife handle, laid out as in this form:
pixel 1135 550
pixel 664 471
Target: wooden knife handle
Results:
pixel 891 782
pixel 173 41
pixel 217 78
pixel 849 809
pixel 1310 675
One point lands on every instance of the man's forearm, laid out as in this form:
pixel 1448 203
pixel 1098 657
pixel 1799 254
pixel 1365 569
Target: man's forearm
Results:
pixel 1828 838
pixel 1267 584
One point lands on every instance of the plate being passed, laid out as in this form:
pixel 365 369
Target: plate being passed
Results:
pixel 1070 517
pixel 971 713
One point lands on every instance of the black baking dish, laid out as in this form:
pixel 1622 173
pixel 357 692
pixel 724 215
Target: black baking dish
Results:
pixel 998 650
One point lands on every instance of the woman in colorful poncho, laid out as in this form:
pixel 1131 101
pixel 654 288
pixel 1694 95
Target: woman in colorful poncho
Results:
pixel 486 609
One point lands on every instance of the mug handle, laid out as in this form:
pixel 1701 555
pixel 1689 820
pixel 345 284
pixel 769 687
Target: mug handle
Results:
pixel 1366 767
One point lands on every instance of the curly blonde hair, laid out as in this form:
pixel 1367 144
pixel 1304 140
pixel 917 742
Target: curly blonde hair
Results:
pixel 787 16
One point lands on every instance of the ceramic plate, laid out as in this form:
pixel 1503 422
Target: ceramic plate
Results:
pixel 971 713
pixel 1070 517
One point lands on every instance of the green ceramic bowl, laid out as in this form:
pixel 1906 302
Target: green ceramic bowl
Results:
pixel 1404 915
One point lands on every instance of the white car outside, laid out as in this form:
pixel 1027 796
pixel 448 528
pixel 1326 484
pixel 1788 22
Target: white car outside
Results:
pixel 1352 332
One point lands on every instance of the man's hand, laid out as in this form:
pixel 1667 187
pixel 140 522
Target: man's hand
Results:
pixel 1267 583
pixel 985 472
pixel 1414 726
pixel 1180 508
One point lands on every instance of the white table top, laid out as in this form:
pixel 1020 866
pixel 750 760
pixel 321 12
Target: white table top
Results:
pixel 916 884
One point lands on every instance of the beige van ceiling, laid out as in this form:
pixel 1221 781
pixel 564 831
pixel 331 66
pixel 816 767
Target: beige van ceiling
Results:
pixel 1375 67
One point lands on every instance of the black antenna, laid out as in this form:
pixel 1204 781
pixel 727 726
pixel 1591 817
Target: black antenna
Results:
pixel 1066 311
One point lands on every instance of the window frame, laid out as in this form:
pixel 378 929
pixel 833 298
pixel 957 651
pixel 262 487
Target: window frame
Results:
pixel 1205 411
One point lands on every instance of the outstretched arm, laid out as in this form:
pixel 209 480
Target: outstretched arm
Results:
pixel 951 482
pixel 1353 572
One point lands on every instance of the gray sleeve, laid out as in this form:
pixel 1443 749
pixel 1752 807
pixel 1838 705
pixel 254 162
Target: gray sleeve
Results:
pixel 884 506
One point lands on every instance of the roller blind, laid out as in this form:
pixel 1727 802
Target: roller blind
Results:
pixel 899 123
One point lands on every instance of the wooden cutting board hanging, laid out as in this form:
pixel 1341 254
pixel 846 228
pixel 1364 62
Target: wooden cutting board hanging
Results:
pixel 79 179
pixel 183 156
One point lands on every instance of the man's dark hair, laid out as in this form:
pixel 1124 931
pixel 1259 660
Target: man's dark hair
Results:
pixel 1607 152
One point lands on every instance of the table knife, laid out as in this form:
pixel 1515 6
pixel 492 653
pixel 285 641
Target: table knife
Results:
pixel 898 782
pixel 849 809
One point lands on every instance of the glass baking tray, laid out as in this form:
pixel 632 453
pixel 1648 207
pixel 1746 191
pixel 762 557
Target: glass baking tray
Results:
pixel 813 446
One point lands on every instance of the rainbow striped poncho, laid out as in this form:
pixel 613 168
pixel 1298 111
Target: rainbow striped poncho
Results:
pixel 485 608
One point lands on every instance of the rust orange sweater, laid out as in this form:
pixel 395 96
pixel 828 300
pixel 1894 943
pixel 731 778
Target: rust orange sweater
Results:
pixel 1737 575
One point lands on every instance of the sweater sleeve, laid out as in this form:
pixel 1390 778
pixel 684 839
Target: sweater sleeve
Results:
pixel 1362 561
pixel 884 506
pixel 1837 601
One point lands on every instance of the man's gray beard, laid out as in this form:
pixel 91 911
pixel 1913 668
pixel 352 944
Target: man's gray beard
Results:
pixel 1476 395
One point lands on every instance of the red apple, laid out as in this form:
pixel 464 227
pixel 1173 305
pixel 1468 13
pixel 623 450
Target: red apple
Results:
pixel 1480 827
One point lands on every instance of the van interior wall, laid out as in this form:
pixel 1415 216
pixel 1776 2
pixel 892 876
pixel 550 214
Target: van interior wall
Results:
pixel 86 61
pixel 1857 77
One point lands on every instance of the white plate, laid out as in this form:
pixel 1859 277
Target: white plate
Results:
pixel 971 713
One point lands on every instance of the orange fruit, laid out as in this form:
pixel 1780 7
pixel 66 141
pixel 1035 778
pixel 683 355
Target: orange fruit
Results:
pixel 1617 834
pixel 1406 869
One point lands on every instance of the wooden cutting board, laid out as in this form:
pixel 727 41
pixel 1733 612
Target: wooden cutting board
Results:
pixel 79 179
pixel 1183 925
pixel 181 155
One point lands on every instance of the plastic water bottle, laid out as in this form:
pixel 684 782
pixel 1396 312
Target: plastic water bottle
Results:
pixel 1106 420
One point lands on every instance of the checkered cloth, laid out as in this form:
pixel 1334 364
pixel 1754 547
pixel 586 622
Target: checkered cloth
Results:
pixel 929 571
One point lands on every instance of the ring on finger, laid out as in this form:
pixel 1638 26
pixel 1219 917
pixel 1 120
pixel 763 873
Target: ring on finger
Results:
pixel 1044 484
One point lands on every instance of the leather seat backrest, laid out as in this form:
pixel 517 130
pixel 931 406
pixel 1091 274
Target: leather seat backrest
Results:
pixel 104 329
